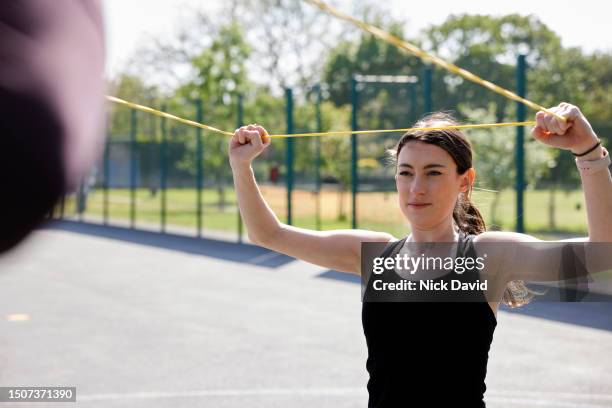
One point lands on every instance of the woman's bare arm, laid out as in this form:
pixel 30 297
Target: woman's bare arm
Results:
pixel 577 135
pixel 530 259
pixel 336 249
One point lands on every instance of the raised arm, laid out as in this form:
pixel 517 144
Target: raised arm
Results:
pixel 577 135
pixel 336 249
pixel 534 262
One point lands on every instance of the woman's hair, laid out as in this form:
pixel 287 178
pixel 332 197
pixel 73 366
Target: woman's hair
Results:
pixel 465 214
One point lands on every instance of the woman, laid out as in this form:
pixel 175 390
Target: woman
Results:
pixel 430 354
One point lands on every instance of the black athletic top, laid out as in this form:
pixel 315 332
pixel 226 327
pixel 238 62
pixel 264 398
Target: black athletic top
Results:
pixel 428 354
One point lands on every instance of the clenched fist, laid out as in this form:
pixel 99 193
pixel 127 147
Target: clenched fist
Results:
pixel 574 134
pixel 247 143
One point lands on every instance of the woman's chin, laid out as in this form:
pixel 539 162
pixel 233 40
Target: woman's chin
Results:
pixel 419 221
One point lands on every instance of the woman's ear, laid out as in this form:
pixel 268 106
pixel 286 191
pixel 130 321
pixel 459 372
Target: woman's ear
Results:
pixel 467 181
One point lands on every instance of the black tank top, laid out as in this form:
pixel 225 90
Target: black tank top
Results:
pixel 428 354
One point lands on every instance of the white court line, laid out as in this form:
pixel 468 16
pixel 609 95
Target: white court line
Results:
pixel 532 398
pixel 227 393
pixel 530 402
pixel 566 395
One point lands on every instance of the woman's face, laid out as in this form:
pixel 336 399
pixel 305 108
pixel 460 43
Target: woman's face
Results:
pixel 428 184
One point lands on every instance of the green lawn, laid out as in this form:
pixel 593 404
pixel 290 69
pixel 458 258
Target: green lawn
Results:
pixel 376 211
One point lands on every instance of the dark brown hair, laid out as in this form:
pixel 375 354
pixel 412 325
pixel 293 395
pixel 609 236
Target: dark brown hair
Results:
pixel 466 215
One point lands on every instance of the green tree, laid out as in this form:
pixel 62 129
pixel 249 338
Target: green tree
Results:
pixel 131 88
pixel 220 75
pixel 488 47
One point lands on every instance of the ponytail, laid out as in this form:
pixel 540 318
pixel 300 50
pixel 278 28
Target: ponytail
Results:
pixel 467 217
pixel 469 220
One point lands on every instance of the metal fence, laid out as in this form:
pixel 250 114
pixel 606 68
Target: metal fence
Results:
pixel 168 181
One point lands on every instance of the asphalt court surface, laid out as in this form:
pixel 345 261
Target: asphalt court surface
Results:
pixel 138 319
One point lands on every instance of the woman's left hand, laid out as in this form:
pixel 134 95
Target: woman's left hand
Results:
pixel 575 134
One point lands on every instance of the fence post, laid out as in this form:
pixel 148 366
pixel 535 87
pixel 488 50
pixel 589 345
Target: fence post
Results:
pixel 427 103
pixel 289 152
pixel 80 207
pixel 106 180
pixel 354 157
pixel 414 113
pixel 318 157
pixel 520 140
pixel 163 163
pixel 199 164
pixel 133 131
pixel 239 123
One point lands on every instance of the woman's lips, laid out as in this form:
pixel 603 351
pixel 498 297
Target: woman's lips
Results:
pixel 418 206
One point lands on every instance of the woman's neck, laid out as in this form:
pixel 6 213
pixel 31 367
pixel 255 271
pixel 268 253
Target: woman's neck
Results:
pixel 446 232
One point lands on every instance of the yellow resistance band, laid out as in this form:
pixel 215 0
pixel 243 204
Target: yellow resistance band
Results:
pixel 166 115
pixel 340 132
pixel 413 49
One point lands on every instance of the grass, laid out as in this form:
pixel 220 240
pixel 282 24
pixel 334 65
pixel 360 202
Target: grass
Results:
pixel 376 210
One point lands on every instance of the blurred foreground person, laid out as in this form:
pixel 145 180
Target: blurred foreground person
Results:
pixel 51 103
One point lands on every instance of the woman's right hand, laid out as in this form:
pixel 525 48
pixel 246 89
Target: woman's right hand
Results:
pixel 247 143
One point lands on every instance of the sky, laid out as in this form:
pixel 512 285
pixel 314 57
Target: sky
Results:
pixel 584 23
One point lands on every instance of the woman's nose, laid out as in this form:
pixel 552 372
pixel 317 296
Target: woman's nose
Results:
pixel 418 186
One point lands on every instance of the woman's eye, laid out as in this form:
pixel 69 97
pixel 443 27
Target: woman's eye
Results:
pixel 431 173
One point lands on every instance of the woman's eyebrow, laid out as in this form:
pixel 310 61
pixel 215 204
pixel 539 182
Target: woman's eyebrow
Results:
pixel 428 166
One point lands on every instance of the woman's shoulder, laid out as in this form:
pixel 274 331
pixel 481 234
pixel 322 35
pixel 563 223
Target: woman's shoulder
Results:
pixel 495 244
pixel 373 236
pixel 502 236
